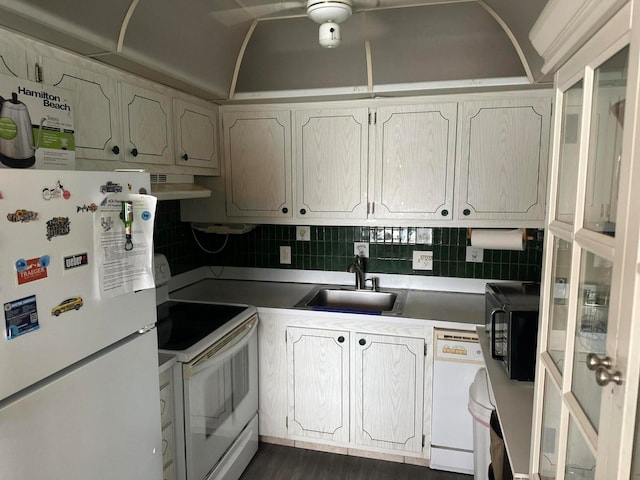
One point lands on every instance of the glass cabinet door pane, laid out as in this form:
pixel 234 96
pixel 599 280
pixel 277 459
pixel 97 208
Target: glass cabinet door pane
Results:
pixel 591 330
pixel 550 427
pixel 605 148
pixel 561 272
pixel 569 153
pixel 581 462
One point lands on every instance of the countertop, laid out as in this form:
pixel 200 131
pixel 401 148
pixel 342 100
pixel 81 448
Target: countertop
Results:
pixel 514 403
pixel 443 309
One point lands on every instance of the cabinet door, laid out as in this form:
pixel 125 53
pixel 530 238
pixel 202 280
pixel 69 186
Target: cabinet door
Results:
pixel 388 392
pixel 257 148
pixel 586 405
pixel 331 163
pixel 503 159
pixel 318 362
pixel 146 118
pixel 196 136
pixel 13 58
pixel 96 108
pixel 415 159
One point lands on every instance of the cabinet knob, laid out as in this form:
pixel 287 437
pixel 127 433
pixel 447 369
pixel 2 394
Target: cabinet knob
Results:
pixel 134 152
pixel 362 341
pixel 340 339
pixel 285 210
pixel 116 149
pixel 302 211
pixel 185 157
pixel 466 212
pixel 444 213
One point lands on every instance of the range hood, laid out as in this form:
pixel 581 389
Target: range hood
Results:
pixel 176 187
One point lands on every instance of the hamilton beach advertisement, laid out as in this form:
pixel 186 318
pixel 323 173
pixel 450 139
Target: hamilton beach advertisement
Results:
pixel 36 126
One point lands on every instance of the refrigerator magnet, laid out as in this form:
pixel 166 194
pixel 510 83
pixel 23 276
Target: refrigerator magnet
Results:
pixel 20 317
pixel 56 191
pixel 92 207
pixel 32 269
pixel 68 304
pixel 22 215
pixel 77 260
pixel 58 226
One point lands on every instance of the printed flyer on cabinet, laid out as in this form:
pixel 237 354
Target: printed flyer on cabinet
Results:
pixel 36 126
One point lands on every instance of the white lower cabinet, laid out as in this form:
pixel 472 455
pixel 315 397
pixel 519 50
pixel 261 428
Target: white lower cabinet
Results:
pixel 168 424
pixel 388 376
pixel 354 389
pixel 318 364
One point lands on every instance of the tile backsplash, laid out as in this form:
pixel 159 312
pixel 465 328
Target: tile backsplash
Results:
pixel 331 248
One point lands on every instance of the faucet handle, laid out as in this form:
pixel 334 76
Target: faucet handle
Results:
pixel 375 283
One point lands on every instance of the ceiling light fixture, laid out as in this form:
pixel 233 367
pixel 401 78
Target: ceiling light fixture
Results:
pixel 329 14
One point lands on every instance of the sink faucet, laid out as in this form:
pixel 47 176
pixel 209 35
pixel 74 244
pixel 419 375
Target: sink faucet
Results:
pixel 357 267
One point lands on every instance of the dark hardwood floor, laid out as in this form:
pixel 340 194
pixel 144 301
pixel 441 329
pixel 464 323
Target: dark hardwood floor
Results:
pixel 286 463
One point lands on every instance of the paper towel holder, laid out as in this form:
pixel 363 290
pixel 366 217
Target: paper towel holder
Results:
pixel 525 236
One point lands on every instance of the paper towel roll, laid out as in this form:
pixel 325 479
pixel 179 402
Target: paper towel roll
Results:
pixel 498 239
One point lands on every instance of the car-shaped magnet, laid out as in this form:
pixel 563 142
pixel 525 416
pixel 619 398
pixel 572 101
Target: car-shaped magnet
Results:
pixel 73 303
pixel 111 187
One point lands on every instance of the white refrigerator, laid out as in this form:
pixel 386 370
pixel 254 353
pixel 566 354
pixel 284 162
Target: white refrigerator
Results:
pixel 79 394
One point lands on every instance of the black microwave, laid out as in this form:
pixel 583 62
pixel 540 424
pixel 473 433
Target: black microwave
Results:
pixel 512 325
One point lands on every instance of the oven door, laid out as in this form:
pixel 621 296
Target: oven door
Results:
pixel 220 397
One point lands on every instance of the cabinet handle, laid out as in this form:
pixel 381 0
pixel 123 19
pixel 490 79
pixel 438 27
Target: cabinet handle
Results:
pixel 340 339
pixel 302 211
pixel 285 210
pixel 116 149
pixel 362 341
pixel 444 213
pixel 466 212
pixel 134 152
pixel 185 157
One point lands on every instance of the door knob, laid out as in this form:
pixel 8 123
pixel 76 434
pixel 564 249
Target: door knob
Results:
pixel 604 377
pixel 594 362
pixel 362 341
pixel 134 152
pixel 116 149
pixel 185 157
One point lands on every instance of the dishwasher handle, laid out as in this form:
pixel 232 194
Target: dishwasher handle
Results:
pixel 492 339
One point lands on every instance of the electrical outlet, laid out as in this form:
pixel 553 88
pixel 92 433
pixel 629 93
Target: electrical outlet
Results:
pixel 361 248
pixel 475 254
pixel 285 254
pixel 422 260
pixel 424 236
pixel 303 234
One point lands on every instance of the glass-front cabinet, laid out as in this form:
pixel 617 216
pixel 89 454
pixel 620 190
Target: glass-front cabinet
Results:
pixel 588 370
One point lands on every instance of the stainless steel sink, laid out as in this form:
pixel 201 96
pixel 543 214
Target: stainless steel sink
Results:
pixel 354 301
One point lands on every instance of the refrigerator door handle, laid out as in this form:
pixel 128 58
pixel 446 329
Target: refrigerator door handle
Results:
pixel 147 328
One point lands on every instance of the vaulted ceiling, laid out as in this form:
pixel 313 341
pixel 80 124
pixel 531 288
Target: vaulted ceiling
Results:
pixel 247 49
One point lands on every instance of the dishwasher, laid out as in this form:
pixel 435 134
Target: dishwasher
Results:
pixel 457 359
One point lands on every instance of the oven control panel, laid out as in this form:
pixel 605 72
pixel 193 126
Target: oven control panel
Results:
pixel 161 271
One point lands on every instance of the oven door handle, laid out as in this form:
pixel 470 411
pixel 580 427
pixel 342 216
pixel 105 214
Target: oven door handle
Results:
pixel 222 350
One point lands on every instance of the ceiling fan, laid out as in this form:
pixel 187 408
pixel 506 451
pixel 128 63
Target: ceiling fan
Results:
pixel 328 13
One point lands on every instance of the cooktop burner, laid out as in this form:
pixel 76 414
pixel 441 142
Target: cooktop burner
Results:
pixel 182 324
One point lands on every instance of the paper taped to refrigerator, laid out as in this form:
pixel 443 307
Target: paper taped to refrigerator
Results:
pixel 123 229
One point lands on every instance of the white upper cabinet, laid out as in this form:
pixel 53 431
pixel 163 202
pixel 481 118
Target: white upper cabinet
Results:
pixel 414 161
pixel 258 163
pixel 96 108
pixel 13 58
pixel 503 154
pixel 331 152
pixel 147 124
pixel 196 133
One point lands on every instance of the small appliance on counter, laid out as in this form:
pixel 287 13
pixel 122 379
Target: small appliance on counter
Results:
pixel 512 323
